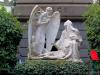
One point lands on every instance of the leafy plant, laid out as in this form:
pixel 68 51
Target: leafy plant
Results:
pixel 93 26
pixel 93 31
pixel 51 67
pixel 10 36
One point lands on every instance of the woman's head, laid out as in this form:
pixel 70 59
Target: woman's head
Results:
pixel 67 24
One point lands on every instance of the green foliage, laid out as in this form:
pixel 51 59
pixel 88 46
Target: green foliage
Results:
pixel 93 26
pixel 93 31
pixel 10 35
pixel 51 67
pixel 96 65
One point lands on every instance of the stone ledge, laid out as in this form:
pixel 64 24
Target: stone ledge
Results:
pixel 65 10
pixel 52 1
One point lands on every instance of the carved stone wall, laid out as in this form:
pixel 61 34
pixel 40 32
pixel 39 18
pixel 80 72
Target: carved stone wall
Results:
pixel 67 8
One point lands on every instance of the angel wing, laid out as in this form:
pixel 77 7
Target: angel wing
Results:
pixel 52 30
pixel 36 11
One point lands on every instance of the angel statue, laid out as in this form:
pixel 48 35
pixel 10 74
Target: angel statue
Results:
pixel 68 45
pixel 42 30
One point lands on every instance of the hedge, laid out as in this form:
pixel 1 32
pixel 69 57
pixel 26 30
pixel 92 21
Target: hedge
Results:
pixel 92 23
pixel 51 67
pixel 10 36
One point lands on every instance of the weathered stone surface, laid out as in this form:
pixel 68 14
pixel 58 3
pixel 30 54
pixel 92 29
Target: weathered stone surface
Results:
pixel 23 52
pixel 66 10
pixel 23 43
pixel 84 53
pixel 54 1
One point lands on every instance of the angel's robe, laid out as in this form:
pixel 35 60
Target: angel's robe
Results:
pixel 41 33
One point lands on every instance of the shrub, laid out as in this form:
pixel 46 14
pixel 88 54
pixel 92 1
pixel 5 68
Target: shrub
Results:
pixel 93 26
pixel 51 67
pixel 93 31
pixel 10 35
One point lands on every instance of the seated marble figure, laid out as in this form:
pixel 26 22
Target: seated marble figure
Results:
pixel 68 45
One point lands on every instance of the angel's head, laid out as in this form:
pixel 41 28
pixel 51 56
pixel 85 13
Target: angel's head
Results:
pixel 49 10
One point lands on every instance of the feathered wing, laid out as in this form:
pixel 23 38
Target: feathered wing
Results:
pixel 52 30
pixel 32 26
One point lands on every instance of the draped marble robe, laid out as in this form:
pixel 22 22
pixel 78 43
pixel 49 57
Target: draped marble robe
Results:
pixel 42 29
pixel 68 45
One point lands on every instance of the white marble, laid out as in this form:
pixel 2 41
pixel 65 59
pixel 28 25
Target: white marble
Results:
pixel 42 29
pixel 9 8
pixel 1 0
pixel 94 1
pixel 68 45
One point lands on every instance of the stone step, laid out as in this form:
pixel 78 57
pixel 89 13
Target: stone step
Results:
pixel 52 1
pixel 66 10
